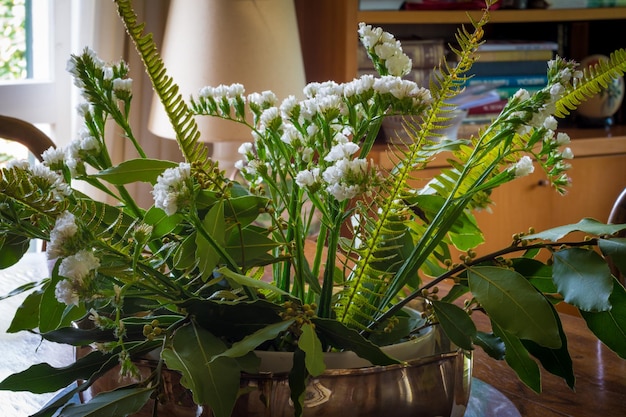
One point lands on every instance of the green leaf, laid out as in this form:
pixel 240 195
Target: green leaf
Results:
pixel 251 342
pixel 248 247
pixel 42 378
pixel 233 319
pixel 586 225
pixel 243 210
pixel 518 359
pixel 616 250
pixel 161 223
pixel 27 314
pixel 514 304
pixel 491 344
pixel 536 272
pixel 297 381
pixel 212 382
pixel 251 282
pixel 51 311
pixel 134 170
pixel 206 255
pixel 341 336
pixel 556 361
pixel 610 326
pixel 311 345
pixel 456 323
pixel 12 248
pixel 583 278
pixel 119 403
pixel 185 254
pixel 78 337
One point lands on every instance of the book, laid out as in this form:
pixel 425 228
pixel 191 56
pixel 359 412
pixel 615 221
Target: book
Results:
pixel 515 55
pixel 489 108
pixel 520 80
pixel 426 53
pixel 483 69
pixel 517 45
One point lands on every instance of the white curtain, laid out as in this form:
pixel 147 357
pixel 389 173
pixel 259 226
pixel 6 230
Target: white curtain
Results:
pixel 101 28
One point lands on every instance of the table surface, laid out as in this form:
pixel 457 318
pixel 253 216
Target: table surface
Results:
pixel 600 373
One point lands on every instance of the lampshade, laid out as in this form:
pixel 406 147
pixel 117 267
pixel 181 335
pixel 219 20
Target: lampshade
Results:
pixel 213 42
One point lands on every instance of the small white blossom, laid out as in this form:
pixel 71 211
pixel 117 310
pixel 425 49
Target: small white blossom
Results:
pixel 308 178
pixel 65 293
pixel 107 73
pixel 550 123
pixel 521 95
pixel 171 188
pixel 123 85
pixel 343 192
pixel 78 266
pixel 524 167
pixel 562 138
pixel 567 154
pixel 53 157
pixel 341 151
pixel 64 229
pixel 245 148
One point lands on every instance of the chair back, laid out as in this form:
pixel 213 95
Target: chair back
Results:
pixel 26 134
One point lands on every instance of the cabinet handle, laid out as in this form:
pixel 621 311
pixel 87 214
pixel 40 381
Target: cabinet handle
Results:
pixel 543 183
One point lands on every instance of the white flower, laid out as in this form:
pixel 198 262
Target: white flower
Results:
pixel 550 123
pixel 567 154
pixel 562 138
pixel 65 293
pixel 107 72
pixel 341 151
pixel 523 167
pixel 264 99
pixel 521 95
pixel 245 148
pixel 171 188
pixel 64 229
pixel 53 157
pixel 343 192
pixel 59 188
pixel 123 85
pixel 308 178
pixel 78 266
pixel 399 64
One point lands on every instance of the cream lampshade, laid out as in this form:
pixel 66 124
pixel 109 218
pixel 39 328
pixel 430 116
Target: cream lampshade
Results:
pixel 212 42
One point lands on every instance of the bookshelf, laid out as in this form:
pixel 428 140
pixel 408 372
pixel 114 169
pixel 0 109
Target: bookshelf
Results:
pixel 328 33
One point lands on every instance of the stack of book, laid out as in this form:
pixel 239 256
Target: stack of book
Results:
pixel 508 66
pixel 425 55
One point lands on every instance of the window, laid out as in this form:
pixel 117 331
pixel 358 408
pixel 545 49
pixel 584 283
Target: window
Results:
pixel 36 44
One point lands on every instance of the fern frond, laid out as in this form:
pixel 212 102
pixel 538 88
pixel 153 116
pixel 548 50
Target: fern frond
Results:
pixel 595 78
pixel 364 279
pixel 181 118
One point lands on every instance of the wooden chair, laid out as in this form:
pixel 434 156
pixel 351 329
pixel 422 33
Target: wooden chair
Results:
pixel 618 216
pixel 26 134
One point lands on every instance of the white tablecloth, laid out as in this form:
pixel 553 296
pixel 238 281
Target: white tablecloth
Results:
pixel 20 350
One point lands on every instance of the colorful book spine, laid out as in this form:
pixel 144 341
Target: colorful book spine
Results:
pixel 484 69
pixel 515 55
pixel 517 45
pixel 520 80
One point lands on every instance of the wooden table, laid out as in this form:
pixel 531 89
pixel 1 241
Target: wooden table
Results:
pixel 600 379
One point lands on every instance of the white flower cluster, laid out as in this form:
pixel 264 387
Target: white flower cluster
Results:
pixel 76 268
pixel 171 190
pixel 383 47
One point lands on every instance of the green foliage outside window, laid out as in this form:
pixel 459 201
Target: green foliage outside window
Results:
pixel 12 39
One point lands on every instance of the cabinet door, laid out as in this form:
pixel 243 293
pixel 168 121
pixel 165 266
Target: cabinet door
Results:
pixel 530 202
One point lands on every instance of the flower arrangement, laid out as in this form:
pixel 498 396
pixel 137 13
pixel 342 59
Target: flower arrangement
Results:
pixel 316 248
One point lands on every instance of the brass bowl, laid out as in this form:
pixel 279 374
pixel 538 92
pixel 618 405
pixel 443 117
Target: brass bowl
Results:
pixel 434 385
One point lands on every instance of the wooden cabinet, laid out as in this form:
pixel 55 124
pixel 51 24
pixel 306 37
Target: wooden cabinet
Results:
pixel 598 176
